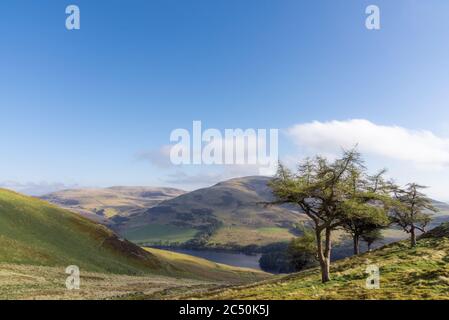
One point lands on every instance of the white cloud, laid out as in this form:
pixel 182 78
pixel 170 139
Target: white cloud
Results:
pixel 209 175
pixel 418 147
pixel 159 157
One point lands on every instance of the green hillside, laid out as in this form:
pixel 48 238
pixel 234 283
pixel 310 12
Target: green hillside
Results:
pixel 405 273
pixel 230 213
pixel 36 233
pixel 19 281
pixel 42 282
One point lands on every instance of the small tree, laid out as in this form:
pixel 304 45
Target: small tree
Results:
pixel 371 237
pixel 367 208
pixel 320 189
pixel 411 214
pixel 364 222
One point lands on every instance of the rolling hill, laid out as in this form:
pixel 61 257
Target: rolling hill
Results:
pixel 405 273
pixel 38 240
pixel 37 233
pixel 109 205
pixel 34 233
pixel 230 213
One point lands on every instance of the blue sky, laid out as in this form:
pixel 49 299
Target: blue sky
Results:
pixel 79 107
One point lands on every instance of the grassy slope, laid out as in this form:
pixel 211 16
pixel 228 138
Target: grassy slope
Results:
pixel 42 282
pixel 406 273
pixel 240 235
pixel 153 233
pixel 37 233
pixel 34 232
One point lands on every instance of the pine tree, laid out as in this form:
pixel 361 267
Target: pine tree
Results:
pixel 412 214
pixel 320 190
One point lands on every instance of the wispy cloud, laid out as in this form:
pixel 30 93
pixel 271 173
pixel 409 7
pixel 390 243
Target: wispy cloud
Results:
pixel 158 157
pixel 419 147
pixel 194 176
pixel 209 175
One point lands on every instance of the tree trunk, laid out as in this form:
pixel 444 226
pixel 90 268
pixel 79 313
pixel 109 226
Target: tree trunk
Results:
pixel 323 256
pixel 413 236
pixel 369 247
pixel 325 273
pixel 356 244
pixel 327 257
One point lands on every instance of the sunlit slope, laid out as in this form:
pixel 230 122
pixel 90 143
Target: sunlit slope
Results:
pixel 37 233
pixel 405 273
pixel 230 213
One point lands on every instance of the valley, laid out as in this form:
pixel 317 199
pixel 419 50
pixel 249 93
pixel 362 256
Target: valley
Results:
pixel 223 150
pixel 38 240
pixel 419 273
pixel 226 219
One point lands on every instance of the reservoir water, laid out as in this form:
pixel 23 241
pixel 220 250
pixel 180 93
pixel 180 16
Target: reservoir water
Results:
pixel 230 258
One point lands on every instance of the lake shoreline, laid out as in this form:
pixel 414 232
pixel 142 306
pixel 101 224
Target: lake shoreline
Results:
pixel 229 257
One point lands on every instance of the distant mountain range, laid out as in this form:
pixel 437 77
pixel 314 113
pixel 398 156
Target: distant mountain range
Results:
pixel 231 214
pixel 108 205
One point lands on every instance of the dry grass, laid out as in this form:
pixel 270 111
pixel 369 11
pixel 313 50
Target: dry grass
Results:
pixel 37 282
